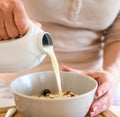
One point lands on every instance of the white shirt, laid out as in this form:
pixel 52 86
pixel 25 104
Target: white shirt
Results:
pixel 77 27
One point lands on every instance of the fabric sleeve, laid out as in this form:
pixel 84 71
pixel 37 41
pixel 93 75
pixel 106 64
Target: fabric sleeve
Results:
pixel 113 33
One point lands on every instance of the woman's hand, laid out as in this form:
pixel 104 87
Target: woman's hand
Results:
pixel 13 19
pixel 105 92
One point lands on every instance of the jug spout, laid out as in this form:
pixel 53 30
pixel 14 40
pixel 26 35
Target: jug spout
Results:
pixel 26 52
pixel 47 40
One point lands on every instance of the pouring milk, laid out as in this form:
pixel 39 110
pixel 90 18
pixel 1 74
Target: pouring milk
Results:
pixel 50 51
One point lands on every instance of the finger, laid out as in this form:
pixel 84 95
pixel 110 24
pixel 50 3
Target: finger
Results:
pixel 68 69
pixel 100 105
pixel 10 26
pixel 0 38
pixel 102 88
pixel 103 82
pixel 3 32
pixel 20 18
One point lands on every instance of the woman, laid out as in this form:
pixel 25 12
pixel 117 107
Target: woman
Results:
pixel 86 37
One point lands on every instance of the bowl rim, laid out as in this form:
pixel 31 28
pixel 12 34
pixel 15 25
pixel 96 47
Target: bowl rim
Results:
pixel 55 99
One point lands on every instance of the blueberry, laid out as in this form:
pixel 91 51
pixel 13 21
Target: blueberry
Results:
pixel 45 92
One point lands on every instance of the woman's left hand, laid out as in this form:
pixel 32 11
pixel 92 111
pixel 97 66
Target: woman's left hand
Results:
pixel 105 92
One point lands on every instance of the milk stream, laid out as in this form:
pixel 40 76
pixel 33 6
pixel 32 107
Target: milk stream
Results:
pixel 50 52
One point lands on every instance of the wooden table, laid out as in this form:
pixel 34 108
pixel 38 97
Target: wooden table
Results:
pixel 3 111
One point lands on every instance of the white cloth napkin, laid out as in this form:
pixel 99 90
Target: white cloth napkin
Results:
pixel 5 95
pixel 6 103
pixel 5 90
pixel 117 96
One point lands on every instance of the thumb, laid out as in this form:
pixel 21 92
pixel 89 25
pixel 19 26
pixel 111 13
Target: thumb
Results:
pixel 68 69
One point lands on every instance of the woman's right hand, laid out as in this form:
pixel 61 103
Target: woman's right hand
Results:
pixel 13 19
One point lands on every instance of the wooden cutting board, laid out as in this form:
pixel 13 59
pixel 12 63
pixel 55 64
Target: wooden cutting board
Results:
pixel 3 111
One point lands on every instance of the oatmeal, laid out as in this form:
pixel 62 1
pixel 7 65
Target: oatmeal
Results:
pixel 47 94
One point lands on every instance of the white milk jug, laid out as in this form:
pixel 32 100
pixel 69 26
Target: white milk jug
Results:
pixel 25 52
